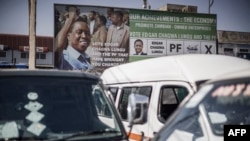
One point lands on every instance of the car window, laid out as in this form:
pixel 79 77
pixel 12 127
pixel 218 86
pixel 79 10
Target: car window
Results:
pixel 113 91
pixel 126 91
pixel 101 104
pixel 169 99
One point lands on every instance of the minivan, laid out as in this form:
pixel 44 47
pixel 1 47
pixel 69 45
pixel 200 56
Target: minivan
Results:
pixel 166 82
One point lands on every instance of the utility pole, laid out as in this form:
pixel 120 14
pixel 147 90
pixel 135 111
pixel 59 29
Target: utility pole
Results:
pixel 32 34
pixel 210 4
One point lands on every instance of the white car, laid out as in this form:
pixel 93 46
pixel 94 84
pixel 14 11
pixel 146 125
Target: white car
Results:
pixel 221 101
pixel 165 81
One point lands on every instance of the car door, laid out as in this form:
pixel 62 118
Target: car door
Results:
pixel 166 98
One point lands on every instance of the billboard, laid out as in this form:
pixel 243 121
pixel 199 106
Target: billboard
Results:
pixel 119 35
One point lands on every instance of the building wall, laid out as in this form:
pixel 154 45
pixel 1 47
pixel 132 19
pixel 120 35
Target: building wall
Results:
pixel 234 43
pixel 16 53
pixel 178 8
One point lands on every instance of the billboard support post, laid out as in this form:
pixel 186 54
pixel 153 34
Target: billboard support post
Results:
pixel 32 34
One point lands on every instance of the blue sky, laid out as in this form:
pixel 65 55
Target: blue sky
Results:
pixel 232 15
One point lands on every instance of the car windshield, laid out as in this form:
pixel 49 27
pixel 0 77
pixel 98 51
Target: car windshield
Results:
pixel 55 108
pixel 228 105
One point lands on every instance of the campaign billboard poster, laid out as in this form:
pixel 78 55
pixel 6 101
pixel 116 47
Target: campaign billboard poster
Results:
pixel 122 35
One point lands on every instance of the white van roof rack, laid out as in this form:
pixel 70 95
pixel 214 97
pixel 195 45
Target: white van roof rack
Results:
pixel 189 67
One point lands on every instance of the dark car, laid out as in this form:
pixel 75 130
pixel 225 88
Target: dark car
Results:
pixel 220 103
pixel 56 105
pixel 5 64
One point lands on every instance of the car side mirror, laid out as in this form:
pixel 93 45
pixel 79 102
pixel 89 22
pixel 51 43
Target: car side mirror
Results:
pixel 137 109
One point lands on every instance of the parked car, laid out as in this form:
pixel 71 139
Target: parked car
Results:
pixel 221 101
pixel 56 105
pixel 5 64
pixel 21 66
pixel 165 81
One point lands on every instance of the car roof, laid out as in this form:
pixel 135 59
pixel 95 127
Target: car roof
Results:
pixel 239 74
pixel 189 67
pixel 47 72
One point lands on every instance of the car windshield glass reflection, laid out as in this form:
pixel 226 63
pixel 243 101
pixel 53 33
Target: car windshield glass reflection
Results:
pixel 53 107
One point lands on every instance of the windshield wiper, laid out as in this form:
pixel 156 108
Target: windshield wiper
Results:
pixel 82 133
